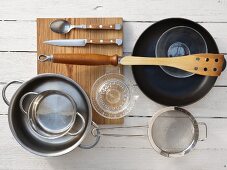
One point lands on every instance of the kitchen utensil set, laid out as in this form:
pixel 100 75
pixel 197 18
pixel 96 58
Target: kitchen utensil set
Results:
pixel 64 27
pixel 200 63
pixel 170 63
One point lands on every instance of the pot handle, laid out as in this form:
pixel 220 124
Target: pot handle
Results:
pixel 82 127
pixel 22 101
pixel 5 88
pixel 205 125
pixel 97 137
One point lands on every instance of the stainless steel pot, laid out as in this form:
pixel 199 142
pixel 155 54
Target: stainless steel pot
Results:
pixel 21 129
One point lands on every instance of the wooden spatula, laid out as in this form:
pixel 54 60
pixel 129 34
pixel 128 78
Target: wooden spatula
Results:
pixel 203 64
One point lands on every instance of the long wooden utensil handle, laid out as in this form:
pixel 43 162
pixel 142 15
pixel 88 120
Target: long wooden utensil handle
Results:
pixel 81 59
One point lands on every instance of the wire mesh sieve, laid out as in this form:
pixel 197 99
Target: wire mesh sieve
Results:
pixel 173 131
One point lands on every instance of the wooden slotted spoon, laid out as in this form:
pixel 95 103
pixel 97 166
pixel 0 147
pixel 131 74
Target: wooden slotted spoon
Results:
pixel 203 64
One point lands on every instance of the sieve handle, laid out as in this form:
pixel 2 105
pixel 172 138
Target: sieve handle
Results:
pixel 205 125
pixel 5 88
pixel 98 129
pixel 22 101
pixel 97 138
pixel 96 132
pixel 82 127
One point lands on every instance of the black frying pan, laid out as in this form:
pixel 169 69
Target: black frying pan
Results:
pixel 161 87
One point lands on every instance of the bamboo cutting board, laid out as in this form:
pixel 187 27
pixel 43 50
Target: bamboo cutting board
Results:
pixel 83 75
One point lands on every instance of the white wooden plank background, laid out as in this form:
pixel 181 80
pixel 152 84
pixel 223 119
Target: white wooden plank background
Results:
pixel 18 61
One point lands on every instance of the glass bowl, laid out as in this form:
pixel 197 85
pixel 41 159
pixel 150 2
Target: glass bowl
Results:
pixel 179 41
pixel 112 96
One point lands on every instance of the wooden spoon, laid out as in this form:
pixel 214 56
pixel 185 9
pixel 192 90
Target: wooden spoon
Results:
pixel 203 64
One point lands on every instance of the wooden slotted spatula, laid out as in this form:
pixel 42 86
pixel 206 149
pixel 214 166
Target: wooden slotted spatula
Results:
pixel 203 64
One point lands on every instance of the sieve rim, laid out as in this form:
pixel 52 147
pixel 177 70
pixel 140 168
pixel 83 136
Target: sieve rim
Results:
pixel 173 154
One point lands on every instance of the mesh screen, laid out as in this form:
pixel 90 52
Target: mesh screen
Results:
pixel 173 131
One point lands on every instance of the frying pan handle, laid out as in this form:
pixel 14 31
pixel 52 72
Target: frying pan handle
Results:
pixel 80 59
pixel 22 101
pixel 82 127
pixel 5 88
pixel 97 137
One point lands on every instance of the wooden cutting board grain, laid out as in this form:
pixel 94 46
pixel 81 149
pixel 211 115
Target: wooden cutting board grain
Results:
pixel 84 75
